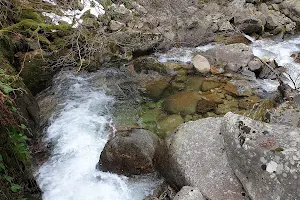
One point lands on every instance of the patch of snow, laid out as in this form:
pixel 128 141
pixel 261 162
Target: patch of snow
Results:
pixel 50 1
pixel 74 16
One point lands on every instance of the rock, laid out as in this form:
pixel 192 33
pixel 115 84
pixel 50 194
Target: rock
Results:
pixel 236 56
pixel 194 83
pixel 155 89
pixel 264 157
pixel 226 27
pixel 238 88
pixel 130 152
pixel 248 22
pixel 228 106
pixel 115 25
pixel 201 64
pixel 194 156
pixel 217 98
pixel 255 65
pixel 204 105
pixel 189 193
pixel 168 124
pixel 148 63
pixel 208 85
pixel 248 103
pixel 292 10
pixel 184 103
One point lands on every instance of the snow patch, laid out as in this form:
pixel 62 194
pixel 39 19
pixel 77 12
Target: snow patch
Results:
pixel 74 16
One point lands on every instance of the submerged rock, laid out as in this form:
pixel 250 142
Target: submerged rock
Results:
pixel 195 156
pixel 265 158
pixel 130 152
pixel 168 124
pixel 184 103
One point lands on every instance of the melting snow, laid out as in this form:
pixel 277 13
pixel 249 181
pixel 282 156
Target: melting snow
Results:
pixel 73 16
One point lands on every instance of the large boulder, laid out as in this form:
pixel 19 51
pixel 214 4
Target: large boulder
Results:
pixel 291 8
pixel 235 56
pixel 130 152
pixel 248 23
pixel 189 193
pixel 195 156
pixel 265 158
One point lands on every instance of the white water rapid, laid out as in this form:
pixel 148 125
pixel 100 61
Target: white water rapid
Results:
pixel 77 133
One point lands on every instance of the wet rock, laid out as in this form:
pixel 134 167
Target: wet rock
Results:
pixel 228 106
pixel 204 105
pixel 184 103
pixel 130 152
pixel 189 193
pixel 238 88
pixel 168 124
pixel 249 102
pixel 201 64
pixel 217 98
pixel 255 65
pixel 264 157
pixel 155 90
pixel 208 85
pixel 194 156
pixel 194 83
pixel 148 63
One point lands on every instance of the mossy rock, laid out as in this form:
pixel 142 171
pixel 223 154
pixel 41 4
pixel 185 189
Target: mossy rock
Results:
pixel 184 103
pixel 208 85
pixel 260 112
pixel 174 67
pixel 227 106
pixel 34 75
pixel 214 97
pixel 148 63
pixel 238 89
pixel 248 103
pixel 168 125
pixel 194 83
pixel 237 39
pixel 155 90
pixel 204 105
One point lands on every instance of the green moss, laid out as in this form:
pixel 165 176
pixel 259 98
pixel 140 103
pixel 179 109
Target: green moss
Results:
pixel 31 25
pixel 31 14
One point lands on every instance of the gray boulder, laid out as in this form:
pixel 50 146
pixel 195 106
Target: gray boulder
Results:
pixel 248 23
pixel 195 156
pixel 236 56
pixel 188 193
pixel 265 158
pixel 130 152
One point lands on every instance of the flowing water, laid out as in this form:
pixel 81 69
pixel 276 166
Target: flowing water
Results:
pixel 77 134
pixel 79 129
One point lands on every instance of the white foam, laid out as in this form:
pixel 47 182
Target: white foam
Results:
pixel 78 134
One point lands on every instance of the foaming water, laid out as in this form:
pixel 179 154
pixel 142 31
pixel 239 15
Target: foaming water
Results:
pixel 280 51
pixel 77 135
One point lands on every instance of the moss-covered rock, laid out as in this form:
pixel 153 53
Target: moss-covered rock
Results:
pixel 208 85
pixel 194 83
pixel 204 105
pixel 184 103
pixel 35 74
pixel 238 89
pixel 248 103
pixel 155 89
pixel 214 97
pixel 227 106
pixel 148 63
pixel 168 125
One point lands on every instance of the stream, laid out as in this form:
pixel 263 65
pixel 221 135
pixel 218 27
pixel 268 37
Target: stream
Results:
pixel 77 134
pixel 80 127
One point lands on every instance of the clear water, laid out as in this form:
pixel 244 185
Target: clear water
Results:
pixel 77 133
